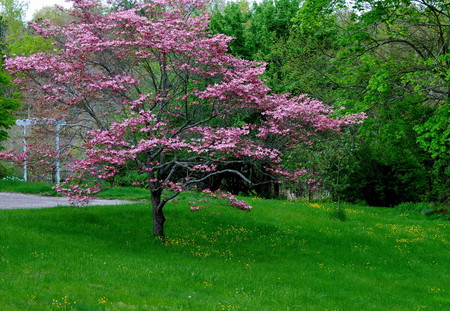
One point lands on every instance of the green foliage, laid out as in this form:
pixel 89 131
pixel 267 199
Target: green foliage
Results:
pixel 7 171
pixel 407 88
pixel 271 22
pixel 336 161
pixel 7 106
pixel 434 134
pixel 256 29
pixel 390 166
pixel 9 100
pixel 280 256
pixel 434 137
pixel 232 22
pixel 316 22
pixel 384 181
pixel 53 14
pixel 304 64
pixel 23 41
pixel 387 61
pixel 17 37
pixel 13 10
pixel 3 171
pixel 128 178
pixel 270 29
pixel 26 43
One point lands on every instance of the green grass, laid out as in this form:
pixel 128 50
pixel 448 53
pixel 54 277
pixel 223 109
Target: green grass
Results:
pixel 280 256
pixel 45 189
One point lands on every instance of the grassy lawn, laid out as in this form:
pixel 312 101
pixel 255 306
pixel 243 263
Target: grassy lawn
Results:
pixel 27 187
pixel 280 256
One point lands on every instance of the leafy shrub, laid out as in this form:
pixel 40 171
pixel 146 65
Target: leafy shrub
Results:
pixel 386 182
pixel 2 171
pixel 6 171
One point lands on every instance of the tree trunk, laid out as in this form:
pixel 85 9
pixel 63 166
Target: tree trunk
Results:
pixel 158 215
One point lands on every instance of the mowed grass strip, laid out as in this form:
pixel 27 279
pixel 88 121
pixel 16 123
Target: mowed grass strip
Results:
pixel 19 186
pixel 280 256
pixel 46 189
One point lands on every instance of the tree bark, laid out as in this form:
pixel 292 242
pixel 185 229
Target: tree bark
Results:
pixel 158 214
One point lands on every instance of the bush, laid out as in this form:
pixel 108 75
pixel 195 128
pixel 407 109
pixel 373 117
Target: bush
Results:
pixel 386 182
pixel 6 170
pixel 2 171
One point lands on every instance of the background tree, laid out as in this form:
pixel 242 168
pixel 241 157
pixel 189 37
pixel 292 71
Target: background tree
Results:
pixel 255 27
pixel 388 58
pixel 53 14
pixel 9 98
pixel 396 52
pixel 9 103
pixel 434 137
pixel 307 55
pixel 232 20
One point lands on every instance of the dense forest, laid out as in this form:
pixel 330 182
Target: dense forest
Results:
pixel 387 58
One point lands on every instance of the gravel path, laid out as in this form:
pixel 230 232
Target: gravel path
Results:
pixel 9 200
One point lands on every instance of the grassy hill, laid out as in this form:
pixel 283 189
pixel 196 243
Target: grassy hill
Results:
pixel 280 256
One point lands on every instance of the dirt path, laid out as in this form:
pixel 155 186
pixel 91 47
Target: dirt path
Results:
pixel 9 200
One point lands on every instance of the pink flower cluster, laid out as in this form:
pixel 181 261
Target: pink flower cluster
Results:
pixel 294 176
pixel 11 156
pixel 79 194
pixel 301 117
pixel 233 201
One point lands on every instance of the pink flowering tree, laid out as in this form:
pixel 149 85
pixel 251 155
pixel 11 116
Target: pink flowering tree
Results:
pixel 161 96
